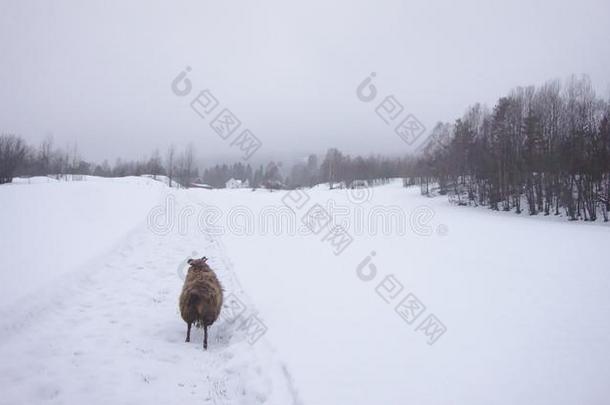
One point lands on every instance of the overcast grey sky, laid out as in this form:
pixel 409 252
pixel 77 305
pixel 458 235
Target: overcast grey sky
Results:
pixel 99 72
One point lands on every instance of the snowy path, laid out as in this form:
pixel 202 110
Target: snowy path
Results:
pixel 111 333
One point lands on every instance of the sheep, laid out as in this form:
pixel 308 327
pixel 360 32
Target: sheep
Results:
pixel 201 298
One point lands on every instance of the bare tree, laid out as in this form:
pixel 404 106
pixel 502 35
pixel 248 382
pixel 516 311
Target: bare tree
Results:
pixel 12 153
pixel 185 166
pixel 170 157
pixel 154 165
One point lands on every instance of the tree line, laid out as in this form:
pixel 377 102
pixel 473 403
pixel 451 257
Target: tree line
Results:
pixel 18 159
pixel 182 167
pixel 540 149
pixel 336 169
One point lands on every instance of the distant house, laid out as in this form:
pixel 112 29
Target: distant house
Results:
pixel 234 183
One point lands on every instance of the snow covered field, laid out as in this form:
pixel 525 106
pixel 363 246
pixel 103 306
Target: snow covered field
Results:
pixel 444 305
pixel 100 322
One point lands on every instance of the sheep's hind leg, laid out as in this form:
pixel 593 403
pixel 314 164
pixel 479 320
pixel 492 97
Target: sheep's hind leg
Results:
pixel 205 337
pixel 188 333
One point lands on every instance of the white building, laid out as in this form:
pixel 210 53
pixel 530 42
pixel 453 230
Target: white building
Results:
pixel 233 183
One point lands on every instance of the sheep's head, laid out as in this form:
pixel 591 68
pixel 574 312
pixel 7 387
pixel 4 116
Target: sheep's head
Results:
pixel 198 263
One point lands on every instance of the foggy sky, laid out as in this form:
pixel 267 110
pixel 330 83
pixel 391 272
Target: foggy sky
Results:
pixel 98 73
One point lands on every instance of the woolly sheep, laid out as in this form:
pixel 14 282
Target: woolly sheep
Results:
pixel 201 298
